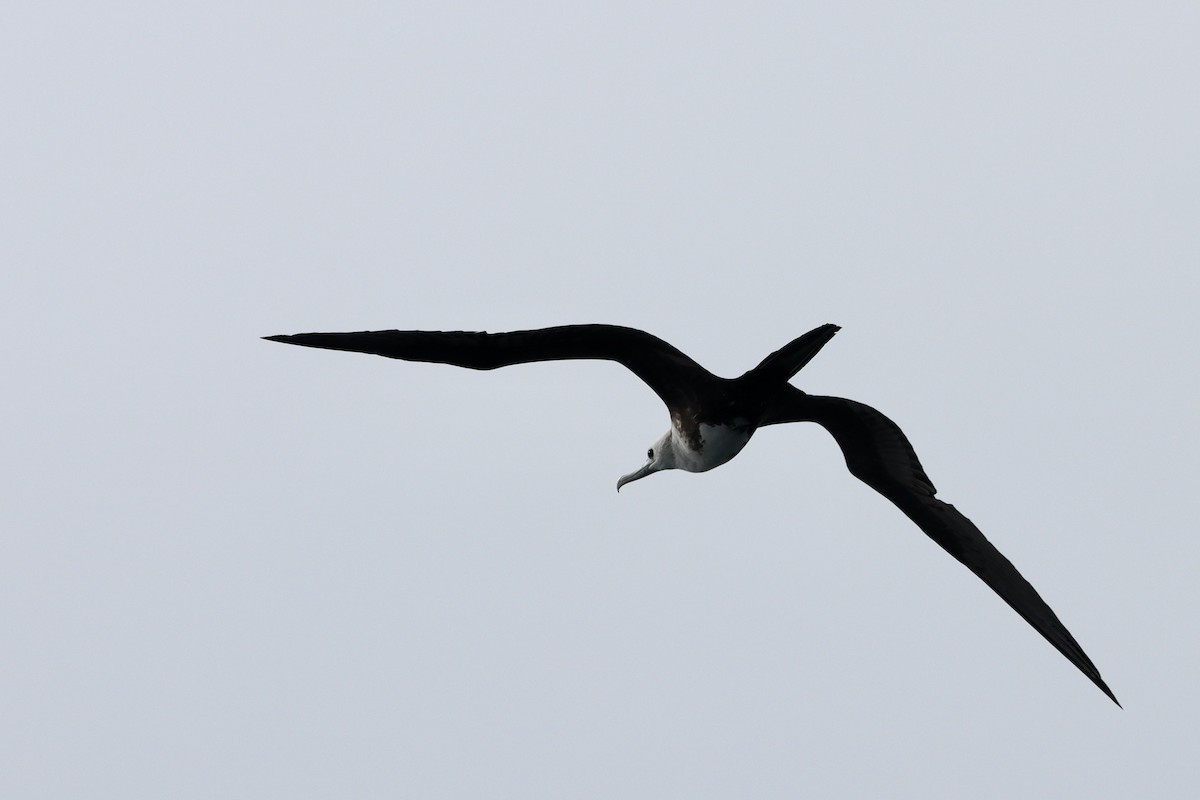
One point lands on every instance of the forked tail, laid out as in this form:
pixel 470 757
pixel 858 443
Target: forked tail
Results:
pixel 785 362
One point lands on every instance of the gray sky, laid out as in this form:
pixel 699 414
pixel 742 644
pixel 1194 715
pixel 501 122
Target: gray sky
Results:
pixel 235 569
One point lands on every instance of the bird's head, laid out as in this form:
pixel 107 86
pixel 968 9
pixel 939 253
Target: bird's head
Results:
pixel 660 456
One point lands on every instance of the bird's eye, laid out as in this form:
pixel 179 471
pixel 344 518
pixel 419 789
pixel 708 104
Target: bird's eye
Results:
pixel 650 453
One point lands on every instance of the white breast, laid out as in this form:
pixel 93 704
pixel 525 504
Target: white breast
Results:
pixel 719 443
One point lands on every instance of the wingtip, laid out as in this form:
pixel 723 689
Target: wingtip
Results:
pixel 1094 676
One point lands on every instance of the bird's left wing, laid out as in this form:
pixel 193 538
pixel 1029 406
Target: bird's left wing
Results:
pixel 878 453
pixel 663 367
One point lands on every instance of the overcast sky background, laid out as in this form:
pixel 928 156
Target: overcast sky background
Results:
pixel 237 569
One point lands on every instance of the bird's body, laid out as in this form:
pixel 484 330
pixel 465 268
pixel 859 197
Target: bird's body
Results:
pixel 714 444
pixel 713 418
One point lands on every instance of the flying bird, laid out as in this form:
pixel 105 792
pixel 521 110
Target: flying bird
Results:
pixel 713 418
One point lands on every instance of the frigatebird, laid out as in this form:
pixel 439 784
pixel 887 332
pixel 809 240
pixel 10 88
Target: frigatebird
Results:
pixel 713 418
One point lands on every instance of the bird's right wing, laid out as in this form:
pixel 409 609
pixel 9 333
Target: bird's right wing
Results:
pixel 664 368
pixel 878 453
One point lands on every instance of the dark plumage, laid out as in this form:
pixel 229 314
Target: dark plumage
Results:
pixel 712 418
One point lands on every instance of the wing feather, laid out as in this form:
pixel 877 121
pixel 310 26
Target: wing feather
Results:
pixel 878 453
pixel 663 367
